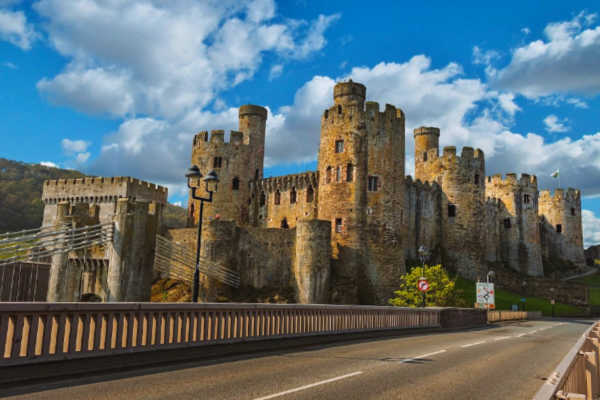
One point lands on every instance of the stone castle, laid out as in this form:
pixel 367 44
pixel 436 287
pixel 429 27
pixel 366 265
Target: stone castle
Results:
pixel 342 234
pixel 346 232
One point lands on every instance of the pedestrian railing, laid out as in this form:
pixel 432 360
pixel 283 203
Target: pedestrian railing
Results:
pixel 578 374
pixel 36 332
pixel 495 316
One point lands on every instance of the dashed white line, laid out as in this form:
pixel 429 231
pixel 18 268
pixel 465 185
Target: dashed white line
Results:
pixel 472 344
pixel 337 378
pixel 501 338
pixel 408 360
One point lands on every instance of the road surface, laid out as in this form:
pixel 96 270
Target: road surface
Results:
pixel 505 361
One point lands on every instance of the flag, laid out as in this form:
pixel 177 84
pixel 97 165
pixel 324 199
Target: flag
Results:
pixel 554 174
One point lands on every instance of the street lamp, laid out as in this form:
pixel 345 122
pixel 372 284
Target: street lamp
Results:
pixel 422 251
pixel 194 178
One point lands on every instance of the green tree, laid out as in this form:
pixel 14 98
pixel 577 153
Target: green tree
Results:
pixel 442 291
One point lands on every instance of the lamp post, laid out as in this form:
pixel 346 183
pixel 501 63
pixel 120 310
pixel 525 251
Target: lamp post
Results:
pixel 193 181
pixel 524 286
pixel 422 251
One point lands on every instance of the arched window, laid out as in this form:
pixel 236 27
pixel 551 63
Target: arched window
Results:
pixel 235 183
pixel 328 175
pixel 293 196
pixel 349 173
pixel 263 198
pixel 310 194
pixel 284 224
pixel 277 198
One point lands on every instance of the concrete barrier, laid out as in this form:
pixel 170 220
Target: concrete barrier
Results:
pixel 40 332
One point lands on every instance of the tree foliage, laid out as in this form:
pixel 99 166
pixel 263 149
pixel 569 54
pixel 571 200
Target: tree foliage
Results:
pixel 442 290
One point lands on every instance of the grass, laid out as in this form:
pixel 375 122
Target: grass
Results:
pixel 505 300
pixel 590 280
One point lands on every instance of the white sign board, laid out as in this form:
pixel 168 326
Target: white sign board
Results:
pixel 485 295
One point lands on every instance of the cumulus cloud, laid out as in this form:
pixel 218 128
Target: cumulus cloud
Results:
pixel 564 62
pixel 591 228
pixel 554 124
pixel 15 29
pixel 164 63
pixel 74 146
pixel 275 71
pixel 49 164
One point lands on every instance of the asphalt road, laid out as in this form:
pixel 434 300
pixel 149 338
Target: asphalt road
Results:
pixel 505 361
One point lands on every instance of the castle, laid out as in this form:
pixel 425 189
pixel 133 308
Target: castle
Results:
pixel 346 232
pixel 342 234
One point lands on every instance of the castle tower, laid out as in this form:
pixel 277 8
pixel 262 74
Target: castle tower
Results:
pixel 461 179
pixel 343 183
pixel 426 140
pixel 237 163
pixel 519 233
pixel 561 224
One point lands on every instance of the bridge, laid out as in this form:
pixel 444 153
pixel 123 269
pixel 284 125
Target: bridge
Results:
pixel 262 351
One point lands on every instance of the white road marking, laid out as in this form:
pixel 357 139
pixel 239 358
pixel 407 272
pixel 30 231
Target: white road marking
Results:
pixel 472 344
pixel 408 360
pixel 521 334
pixel 337 378
pixel 501 338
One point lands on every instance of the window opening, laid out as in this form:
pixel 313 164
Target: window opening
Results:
pixel 263 198
pixel 235 183
pixel 476 179
pixel 526 199
pixel 293 196
pixel 372 183
pixel 328 175
pixel 338 174
pixel 256 174
pixel 339 109
pixel 338 225
pixel 349 172
pixel 559 228
pixel 284 224
pixel 217 162
pixel 507 223
pixel 451 210
pixel 339 146
pixel 572 211
pixel 424 156
pixel 310 194
pixel 277 198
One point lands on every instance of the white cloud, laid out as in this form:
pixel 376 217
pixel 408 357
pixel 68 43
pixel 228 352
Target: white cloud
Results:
pixel 182 64
pixel 275 71
pixel 554 124
pixel 10 65
pixel 525 31
pixel 507 102
pixel 591 228
pixel 15 29
pixel 49 164
pixel 178 204
pixel 484 57
pixel 565 62
pixel 74 146
pixel 578 103
pixel 82 157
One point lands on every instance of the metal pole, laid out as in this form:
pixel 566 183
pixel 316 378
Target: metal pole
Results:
pixel 196 285
pixel 423 275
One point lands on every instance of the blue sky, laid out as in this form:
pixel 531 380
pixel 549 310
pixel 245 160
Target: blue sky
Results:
pixel 120 87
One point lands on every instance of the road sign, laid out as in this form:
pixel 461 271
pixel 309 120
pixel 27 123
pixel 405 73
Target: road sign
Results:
pixel 485 295
pixel 423 286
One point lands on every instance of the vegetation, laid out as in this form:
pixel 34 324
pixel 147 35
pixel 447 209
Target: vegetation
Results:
pixel 21 196
pixel 442 290
pixel 505 299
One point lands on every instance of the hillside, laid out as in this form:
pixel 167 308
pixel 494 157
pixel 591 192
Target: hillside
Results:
pixel 21 191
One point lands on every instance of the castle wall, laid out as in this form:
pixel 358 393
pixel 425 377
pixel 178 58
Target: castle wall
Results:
pixel 520 240
pixel 563 209
pixel 268 214
pixel 313 261
pixel 422 220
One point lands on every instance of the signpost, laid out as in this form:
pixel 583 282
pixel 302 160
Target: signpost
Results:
pixel 423 287
pixel 485 295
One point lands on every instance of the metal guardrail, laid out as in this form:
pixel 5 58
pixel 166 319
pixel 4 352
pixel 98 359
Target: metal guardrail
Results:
pixel 578 374
pixel 38 332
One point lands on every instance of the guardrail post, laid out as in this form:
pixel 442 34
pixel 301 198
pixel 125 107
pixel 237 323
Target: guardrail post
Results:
pixel 591 374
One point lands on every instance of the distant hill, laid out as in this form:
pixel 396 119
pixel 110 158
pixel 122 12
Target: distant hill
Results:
pixel 21 192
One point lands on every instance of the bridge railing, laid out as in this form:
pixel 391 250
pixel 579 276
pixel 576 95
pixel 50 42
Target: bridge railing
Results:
pixel 495 316
pixel 578 374
pixel 37 332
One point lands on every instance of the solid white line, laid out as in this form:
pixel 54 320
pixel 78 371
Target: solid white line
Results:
pixel 309 386
pixel 522 334
pixel 431 354
pixel 473 344
pixel 501 338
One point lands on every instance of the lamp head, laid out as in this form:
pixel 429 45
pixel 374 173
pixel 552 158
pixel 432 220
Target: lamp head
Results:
pixel 193 174
pixel 212 181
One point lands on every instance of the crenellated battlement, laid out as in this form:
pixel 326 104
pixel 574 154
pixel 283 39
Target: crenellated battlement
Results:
pixel 287 182
pixel 102 189
pixel 409 182
pixel 217 138
pixel 524 181
pixel 570 194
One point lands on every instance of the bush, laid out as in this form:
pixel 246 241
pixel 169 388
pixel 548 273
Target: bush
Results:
pixel 442 290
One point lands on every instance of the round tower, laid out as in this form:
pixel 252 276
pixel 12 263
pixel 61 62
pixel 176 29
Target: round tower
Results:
pixel 426 149
pixel 342 188
pixel 349 93
pixel 252 122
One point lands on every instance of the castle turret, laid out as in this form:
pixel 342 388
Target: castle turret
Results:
pixel 517 219
pixel 426 141
pixel 237 163
pixel 561 223
pixel 343 183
